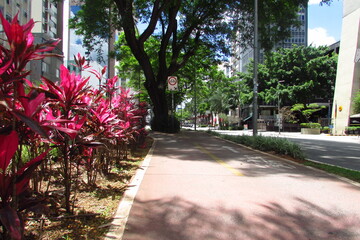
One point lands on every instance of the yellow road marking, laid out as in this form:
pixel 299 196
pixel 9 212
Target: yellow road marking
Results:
pixel 221 162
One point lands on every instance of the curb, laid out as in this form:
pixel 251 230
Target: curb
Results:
pixel 117 226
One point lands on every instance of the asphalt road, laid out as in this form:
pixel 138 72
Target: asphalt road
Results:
pixel 343 154
pixel 197 186
pixel 343 151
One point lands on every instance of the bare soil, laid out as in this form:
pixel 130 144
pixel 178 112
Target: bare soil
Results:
pixel 94 207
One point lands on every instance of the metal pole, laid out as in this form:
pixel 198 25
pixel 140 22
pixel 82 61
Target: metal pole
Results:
pixel 195 111
pixel 173 109
pixel 256 60
pixel 66 33
pixel 279 116
pixel 279 119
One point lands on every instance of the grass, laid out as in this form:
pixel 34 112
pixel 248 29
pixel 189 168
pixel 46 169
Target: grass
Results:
pixel 285 147
pixel 343 172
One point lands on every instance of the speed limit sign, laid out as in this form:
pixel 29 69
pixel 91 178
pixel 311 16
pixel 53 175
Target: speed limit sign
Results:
pixel 172 83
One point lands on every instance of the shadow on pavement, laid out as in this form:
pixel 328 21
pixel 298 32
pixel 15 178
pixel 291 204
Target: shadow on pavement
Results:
pixel 176 219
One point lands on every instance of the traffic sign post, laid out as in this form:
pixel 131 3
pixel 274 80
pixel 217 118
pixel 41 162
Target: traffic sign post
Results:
pixel 172 83
pixel 172 86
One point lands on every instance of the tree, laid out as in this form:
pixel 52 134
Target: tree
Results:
pixel 184 25
pixel 96 21
pixel 357 103
pixel 304 113
pixel 300 75
pixel 307 74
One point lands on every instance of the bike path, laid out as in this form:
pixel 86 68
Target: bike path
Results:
pixel 197 186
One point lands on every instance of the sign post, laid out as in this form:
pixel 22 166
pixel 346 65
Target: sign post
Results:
pixel 172 83
pixel 172 86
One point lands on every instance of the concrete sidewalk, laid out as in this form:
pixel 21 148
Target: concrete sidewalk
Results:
pixel 195 186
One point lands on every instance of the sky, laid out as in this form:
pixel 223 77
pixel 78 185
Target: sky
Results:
pixel 324 22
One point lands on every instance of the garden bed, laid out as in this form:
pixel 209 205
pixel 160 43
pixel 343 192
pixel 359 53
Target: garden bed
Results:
pixel 94 206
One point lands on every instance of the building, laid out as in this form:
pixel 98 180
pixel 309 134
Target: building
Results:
pixel 48 17
pixel 348 69
pixel 298 36
pixel 10 8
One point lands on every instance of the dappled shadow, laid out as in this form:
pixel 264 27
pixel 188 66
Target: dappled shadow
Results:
pixel 177 219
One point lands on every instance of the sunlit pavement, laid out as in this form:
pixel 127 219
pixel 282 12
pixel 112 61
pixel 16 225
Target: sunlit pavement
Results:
pixel 342 151
pixel 196 186
pixel 327 137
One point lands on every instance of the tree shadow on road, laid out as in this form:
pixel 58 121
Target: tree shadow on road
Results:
pixel 177 219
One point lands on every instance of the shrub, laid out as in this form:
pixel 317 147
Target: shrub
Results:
pixel 267 144
pixel 310 125
pixel 68 116
pixel 357 103
pixel 352 130
pixel 325 130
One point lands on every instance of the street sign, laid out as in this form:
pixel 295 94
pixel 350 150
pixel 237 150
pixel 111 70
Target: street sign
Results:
pixel 172 83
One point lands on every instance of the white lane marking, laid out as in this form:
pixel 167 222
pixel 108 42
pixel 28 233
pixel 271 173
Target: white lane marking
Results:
pixel 230 149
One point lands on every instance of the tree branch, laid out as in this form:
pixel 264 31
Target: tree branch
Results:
pixel 155 15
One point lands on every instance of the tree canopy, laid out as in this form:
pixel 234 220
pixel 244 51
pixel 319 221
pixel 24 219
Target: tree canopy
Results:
pixel 182 26
pixel 299 74
pixel 357 103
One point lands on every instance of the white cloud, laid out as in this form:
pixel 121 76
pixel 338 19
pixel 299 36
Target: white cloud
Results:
pixel 319 37
pixel 77 47
pixel 313 2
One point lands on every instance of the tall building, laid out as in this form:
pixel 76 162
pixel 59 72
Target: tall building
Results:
pixel 298 36
pixel 48 16
pixel 348 69
pixel 10 8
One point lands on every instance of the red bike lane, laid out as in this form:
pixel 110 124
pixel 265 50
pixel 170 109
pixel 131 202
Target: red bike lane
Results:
pixel 197 186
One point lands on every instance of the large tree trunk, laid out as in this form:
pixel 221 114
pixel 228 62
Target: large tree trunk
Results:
pixel 154 84
pixel 162 121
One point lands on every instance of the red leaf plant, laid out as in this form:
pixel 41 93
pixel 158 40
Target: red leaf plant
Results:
pixel 19 111
pixel 10 217
pixel 68 93
pixel 66 113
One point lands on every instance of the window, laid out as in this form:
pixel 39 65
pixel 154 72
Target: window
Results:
pixel 8 17
pixel 44 67
pixel 45 27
